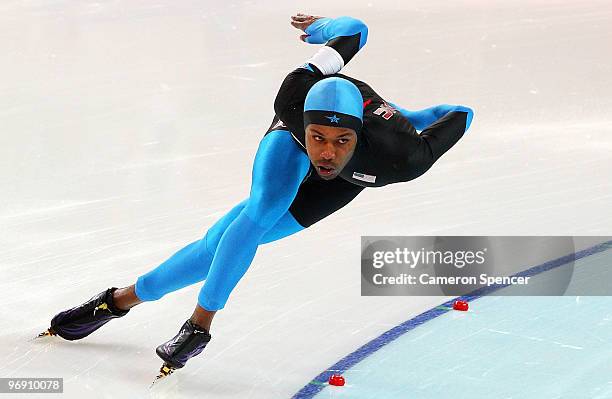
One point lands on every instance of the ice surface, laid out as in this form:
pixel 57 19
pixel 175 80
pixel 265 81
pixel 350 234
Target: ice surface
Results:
pixel 127 128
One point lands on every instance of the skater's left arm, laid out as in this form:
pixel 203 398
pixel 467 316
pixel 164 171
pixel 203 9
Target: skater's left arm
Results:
pixel 421 119
pixel 426 147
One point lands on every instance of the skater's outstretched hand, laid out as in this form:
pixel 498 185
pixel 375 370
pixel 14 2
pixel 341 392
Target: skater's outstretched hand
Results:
pixel 302 22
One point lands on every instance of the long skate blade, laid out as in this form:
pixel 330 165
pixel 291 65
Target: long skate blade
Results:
pixel 47 333
pixel 164 372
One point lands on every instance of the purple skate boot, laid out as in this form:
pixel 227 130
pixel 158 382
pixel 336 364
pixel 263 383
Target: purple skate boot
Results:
pixel 82 320
pixel 189 342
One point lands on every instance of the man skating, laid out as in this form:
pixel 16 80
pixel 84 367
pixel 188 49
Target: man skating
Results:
pixel 331 137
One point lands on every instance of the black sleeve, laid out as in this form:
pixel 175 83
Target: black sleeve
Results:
pixel 434 141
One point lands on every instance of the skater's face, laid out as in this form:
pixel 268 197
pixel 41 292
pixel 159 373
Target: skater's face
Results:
pixel 329 148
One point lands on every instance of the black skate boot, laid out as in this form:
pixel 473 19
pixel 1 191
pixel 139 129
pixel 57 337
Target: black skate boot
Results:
pixel 82 320
pixel 189 342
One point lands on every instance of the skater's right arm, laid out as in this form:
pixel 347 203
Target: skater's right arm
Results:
pixel 343 38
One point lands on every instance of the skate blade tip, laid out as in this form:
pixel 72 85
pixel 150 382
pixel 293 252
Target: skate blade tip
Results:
pixel 47 333
pixel 164 372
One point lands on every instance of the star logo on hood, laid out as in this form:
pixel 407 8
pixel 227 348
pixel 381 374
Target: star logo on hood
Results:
pixel 333 119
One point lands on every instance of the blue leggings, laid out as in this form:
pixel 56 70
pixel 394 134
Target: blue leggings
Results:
pixel 228 248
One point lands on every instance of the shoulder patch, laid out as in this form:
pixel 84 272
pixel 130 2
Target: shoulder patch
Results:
pixel 385 110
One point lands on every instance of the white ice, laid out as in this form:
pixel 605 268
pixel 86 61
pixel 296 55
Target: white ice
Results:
pixel 128 127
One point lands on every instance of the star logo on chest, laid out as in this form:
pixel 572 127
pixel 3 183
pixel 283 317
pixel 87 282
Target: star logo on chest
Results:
pixel 333 119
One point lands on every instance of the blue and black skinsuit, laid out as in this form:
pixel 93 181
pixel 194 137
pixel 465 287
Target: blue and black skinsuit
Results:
pixel 286 194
